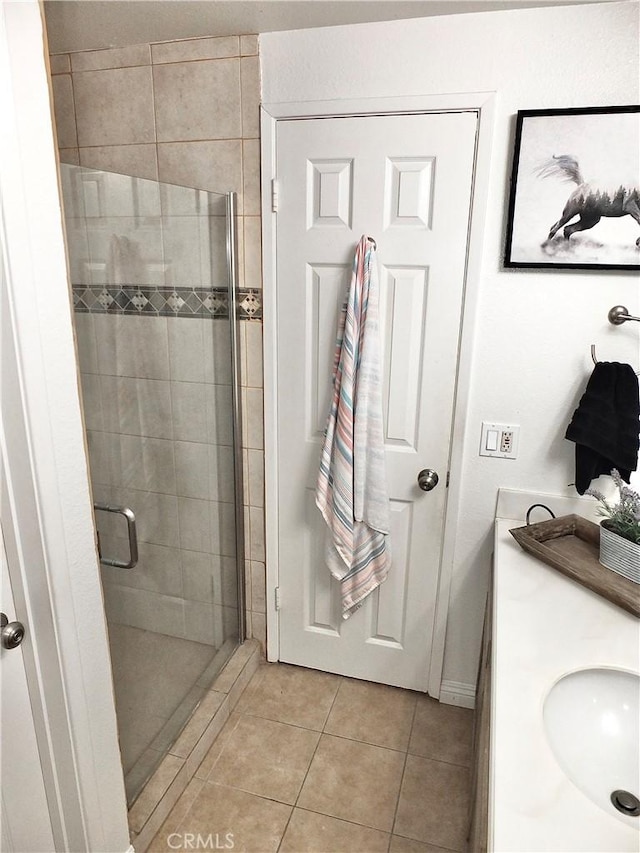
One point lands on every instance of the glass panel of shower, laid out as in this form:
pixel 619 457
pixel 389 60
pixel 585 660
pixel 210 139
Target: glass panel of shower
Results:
pixel 150 266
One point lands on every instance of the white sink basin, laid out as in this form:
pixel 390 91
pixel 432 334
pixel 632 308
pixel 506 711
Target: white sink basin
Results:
pixel 592 723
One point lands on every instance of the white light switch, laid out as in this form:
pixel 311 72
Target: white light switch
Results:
pixel 499 440
pixel 492 439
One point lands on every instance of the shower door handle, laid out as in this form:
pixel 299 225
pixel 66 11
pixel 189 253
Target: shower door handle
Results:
pixel 133 536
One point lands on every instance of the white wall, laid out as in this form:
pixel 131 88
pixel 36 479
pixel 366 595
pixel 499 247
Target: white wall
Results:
pixel 533 329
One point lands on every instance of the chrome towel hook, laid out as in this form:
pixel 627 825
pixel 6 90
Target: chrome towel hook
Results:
pixel 619 315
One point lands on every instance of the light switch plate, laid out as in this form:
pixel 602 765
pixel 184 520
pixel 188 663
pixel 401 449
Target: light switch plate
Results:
pixel 499 440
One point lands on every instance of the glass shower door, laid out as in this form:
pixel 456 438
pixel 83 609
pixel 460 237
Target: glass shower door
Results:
pixel 149 272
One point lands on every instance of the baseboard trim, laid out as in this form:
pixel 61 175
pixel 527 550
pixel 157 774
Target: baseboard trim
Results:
pixel 458 693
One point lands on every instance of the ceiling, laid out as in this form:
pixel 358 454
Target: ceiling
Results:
pixel 91 24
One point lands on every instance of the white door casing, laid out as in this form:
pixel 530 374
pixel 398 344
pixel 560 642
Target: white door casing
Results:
pixel 46 502
pixel 406 180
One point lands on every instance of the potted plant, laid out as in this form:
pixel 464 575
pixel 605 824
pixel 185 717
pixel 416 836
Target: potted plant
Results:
pixel 620 530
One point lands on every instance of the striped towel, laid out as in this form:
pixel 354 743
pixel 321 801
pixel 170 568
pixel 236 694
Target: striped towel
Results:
pixel 351 491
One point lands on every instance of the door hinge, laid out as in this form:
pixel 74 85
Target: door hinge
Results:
pixel 274 195
pixel 276 598
pixel 448 478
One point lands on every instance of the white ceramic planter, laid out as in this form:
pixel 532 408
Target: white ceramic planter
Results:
pixel 619 554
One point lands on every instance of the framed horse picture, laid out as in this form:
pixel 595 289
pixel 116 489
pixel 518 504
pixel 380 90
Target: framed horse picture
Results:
pixel 575 189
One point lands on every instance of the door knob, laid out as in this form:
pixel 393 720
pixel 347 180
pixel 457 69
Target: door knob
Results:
pixel 427 479
pixel 11 633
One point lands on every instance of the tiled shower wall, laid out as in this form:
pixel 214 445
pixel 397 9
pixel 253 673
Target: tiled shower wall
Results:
pixel 185 113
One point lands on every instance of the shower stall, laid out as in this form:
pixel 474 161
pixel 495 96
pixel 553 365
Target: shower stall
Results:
pixel 153 272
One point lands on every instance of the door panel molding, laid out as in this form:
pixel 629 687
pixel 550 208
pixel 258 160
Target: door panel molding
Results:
pixel 483 103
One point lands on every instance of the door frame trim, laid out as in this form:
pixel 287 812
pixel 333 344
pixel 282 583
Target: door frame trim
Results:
pixel 483 103
pixel 46 499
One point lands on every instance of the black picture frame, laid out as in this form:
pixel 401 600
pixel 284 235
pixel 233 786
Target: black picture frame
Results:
pixel 586 160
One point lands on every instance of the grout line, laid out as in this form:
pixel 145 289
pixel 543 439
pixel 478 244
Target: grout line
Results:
pixel 440 761
pixel 202 38
pixel 404 767
pixel 197 139
pixel 343 820
pixel 349 821
pixel 258 716
pixel 188 811
pixel 75 112
pixel 235 58
pixel 123 145
pixel 295 805
pixel 364 742
pixel 158 379
pixel 223 736
pixel 433 846
pixel 155 137
pixel 108 68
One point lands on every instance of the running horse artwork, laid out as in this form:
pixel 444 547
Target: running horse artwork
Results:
pixel 574 200
pixel 589 201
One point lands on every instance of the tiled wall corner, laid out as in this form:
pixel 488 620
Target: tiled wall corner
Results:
pixel 252 391
pixel 183 112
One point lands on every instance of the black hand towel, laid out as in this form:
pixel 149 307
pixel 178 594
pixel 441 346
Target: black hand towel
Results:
pixel 606 426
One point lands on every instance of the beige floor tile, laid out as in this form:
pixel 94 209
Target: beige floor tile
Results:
pixel 161 843
pixel 408 845
pixel 266 758
pixel 318 833
pixel 252 824
pixel 373 713
pixel 208 762
pixel 291 694
pixel 442 732
pixel 434 803
pixel 354 781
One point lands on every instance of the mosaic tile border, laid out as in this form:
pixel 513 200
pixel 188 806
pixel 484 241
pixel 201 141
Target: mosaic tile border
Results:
pixel 139 300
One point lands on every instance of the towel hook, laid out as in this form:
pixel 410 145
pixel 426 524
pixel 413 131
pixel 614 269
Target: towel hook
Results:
pixel 619 315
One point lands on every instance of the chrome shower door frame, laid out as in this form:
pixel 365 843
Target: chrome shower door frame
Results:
pixel 232 270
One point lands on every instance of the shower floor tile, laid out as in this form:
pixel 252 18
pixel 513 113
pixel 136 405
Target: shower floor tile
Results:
pixel 316 763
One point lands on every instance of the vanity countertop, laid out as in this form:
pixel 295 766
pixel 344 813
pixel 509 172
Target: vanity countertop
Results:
pixel 545 626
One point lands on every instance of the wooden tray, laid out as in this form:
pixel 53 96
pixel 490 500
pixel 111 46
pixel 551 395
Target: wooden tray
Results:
pixel 571 544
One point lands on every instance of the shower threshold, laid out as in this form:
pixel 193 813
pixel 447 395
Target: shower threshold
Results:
pixel 184 756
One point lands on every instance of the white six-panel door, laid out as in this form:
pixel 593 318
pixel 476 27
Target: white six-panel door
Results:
pixel 405 181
